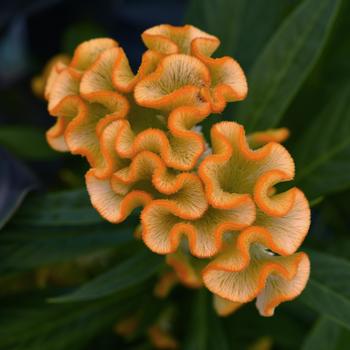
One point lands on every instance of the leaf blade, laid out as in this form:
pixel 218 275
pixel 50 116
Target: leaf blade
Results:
pixel 130 272
pixel 68 208
pixel 323 150
pixel 328 290
pixel 285 63
pixel 323 336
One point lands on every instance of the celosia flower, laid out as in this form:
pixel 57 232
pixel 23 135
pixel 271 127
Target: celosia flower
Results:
pixel 140 136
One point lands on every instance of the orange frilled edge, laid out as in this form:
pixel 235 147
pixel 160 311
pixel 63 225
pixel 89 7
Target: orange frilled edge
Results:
pixel 176 86
pixel 215 212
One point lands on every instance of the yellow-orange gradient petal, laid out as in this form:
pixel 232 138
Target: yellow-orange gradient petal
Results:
pixel 168 39
pixel 288 231
pixel 112 206
pixel 123 77
pixel 85 121
pixel 224 307
pixel 51 78
pixel 183 193
pixel 110 161
pixel 180 148
pixel 228 82
pixel 111 71
pixel 248 267
pixel 177 81
pixel 99 76
pixel 66 84
pixel 261 138
pixel 112 106
pixel 163 228
pixel 41 84
pixel 279 289
pixel 55 135
pixel 87 52
pixel 66 110
pixel 235 171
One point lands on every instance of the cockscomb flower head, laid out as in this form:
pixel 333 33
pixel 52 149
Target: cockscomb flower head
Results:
pixel 215 211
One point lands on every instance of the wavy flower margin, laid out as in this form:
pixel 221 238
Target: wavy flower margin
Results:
pixel 215 212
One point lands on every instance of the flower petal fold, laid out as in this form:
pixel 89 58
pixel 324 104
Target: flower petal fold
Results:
pixel 163 228
pixel 247 269
pixel 228 82
pixel 177 81
pixel 288 231
pixel 168 39
pixel 234 171
pixel 278 289
pixel 41 84
pixel 260 138
pixel 66 110
pixel 123 77
pixel 87 52
pixel 180 148
pixel 66 84
pixel 112 206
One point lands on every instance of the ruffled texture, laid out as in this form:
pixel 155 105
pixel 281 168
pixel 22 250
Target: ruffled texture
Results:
pixel 249 226
pixel 171 92
pixel 216 210
pixel 248 269
pixel 222 79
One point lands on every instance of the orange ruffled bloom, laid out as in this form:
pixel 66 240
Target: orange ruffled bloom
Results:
pixel 140 136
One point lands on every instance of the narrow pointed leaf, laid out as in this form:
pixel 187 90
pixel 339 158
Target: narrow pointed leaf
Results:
pixel 324 335
pixel 322 152
pixel 31 324
pixel 287 59
pixel 328 290
pixel 19 246
pixel 58 209
pixel 206 331
pixel 131 272
pixel 233 22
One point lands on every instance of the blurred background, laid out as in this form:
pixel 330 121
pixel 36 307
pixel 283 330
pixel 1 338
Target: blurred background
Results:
pixel 46 230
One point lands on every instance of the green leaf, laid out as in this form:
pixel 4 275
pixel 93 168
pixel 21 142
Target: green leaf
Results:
pixel 135 270
pixel 322 152
pixel 205 329
pixel 324 336
pixel 29 324
pixel 61 226
pixel 344 340
pixel 26 248
pixel 287 59
pixel 27 142
pixel 58 209
pixel 328 290
pixel 233 22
